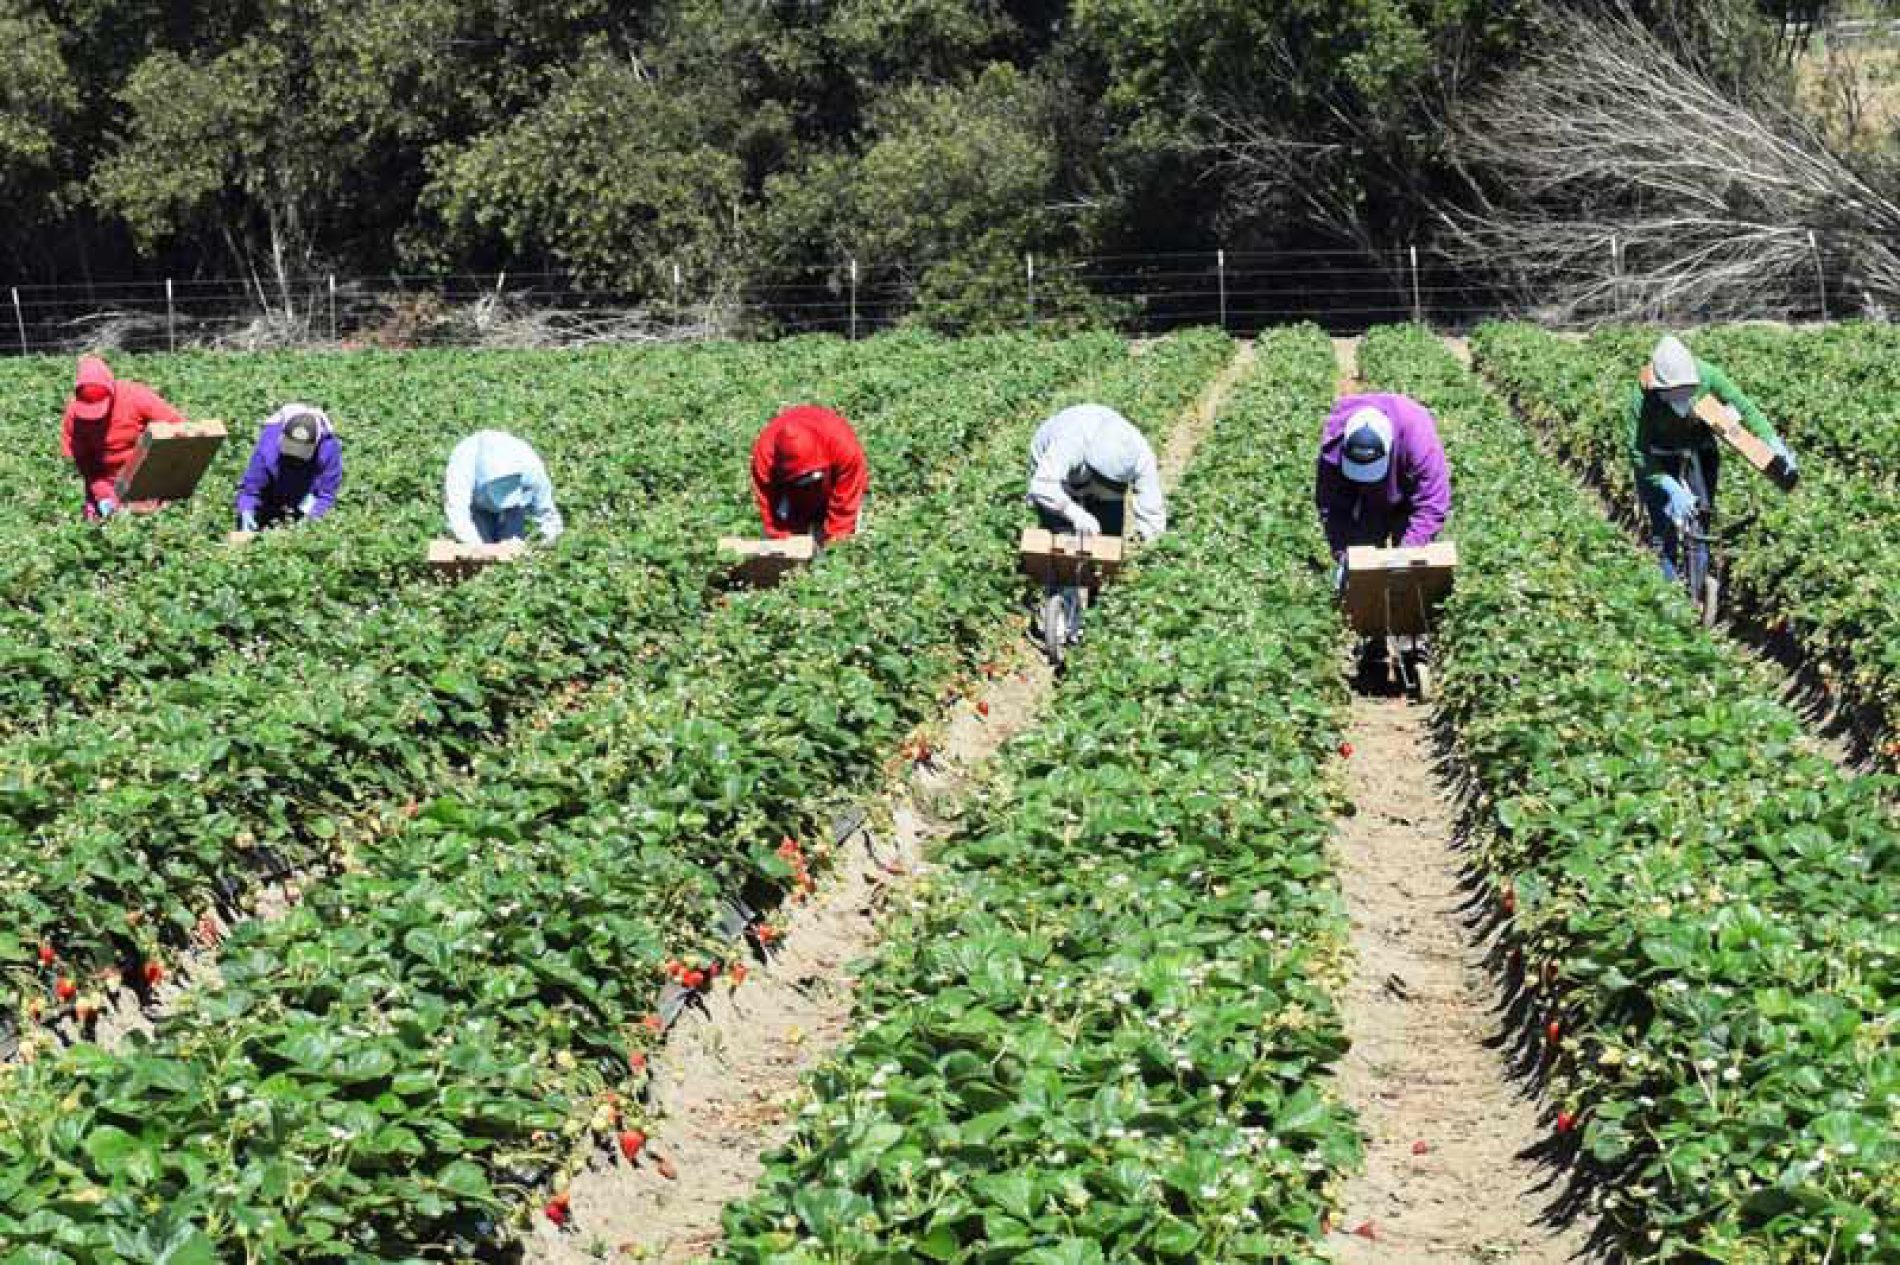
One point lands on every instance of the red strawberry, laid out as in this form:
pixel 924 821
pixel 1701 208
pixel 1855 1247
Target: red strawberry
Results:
pixel 631 1140
pixel 767 933
pixel 1367 1230
pixel 671 969
pixel 982 708
pixel 695 980
pixel 1565 1122
pixel 712 970
pixel 654 1023
pixel 1421 1147
pixel 1553 1032
pixel 1510 900
pixel 637 1063
pixel 47 956
pixel 1345 749
pixel 737 974
pixel 64 989
pixel 153 973
pixel 557 1211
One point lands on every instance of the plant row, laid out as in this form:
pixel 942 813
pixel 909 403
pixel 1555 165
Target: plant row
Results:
pixel 1104 1029
pixel 1815 567
pixel 1701 917
pixel 139 823
pixel 394 1068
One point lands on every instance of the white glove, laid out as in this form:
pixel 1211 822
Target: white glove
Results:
pixel 1085 523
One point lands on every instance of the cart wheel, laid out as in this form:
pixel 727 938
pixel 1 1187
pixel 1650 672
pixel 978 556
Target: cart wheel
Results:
pixel 1055 626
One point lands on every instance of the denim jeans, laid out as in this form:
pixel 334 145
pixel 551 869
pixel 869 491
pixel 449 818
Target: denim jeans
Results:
pixel 1663 538
pixel 496 526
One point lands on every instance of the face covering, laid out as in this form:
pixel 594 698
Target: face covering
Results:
pixel 1680 400
pixel 500 493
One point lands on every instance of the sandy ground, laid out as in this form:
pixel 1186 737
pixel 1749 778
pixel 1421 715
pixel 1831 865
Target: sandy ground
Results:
pixel 1444 1125
pixel 729 1081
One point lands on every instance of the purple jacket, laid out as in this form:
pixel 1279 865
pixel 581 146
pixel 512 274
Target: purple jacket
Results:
pixel 273 485
pixel 1415 499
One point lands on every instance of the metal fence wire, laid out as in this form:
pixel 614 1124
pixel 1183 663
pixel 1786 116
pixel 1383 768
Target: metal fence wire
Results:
pixel 1240 291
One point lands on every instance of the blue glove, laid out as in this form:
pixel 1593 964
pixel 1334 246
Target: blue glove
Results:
pixel 1682 502
pixel 1339 578
pixel 247 520
pixel 105 507
pixel 1780 449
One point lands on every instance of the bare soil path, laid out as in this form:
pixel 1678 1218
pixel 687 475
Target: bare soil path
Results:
pixel 729 1082
pixel 1445 1127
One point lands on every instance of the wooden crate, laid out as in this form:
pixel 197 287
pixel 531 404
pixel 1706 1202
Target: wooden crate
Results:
pixel 451 559
pixel 1727 424
pixel 765 563
pixel 1391 592
pixel 170 461
pixel 1066 558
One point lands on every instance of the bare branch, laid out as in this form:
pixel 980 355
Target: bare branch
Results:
pixel 1612 181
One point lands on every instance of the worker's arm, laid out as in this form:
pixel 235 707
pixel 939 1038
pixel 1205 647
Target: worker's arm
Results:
pixel 762 485
pixel 541 507
pixel 321 498
pixel 250 493
pixel 1045 481
pixel 1723 388
pixel 458 495
pixel 150 405
pixel 849 482
pixel 1150 504
pixel 1431 486
pixel 1648 470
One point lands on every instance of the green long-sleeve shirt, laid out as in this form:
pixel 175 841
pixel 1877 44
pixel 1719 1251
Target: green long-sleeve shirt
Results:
pixel 1653 424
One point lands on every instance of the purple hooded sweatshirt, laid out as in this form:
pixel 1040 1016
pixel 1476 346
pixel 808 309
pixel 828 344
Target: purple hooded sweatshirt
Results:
pixel 1415 498
pixel 273 485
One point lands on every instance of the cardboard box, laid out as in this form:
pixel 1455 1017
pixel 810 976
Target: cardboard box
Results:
pixel 763 563
pixel 1066 558
pixel 1391 592
pixel 454 560
pixel 171 459
pixel 1727 423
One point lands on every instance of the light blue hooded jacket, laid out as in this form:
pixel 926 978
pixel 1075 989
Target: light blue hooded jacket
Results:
pixel 493 474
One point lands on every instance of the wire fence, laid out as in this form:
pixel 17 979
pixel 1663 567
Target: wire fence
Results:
pixel 1242 292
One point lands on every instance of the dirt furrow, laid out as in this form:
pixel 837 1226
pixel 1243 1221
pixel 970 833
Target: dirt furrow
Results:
pixel 1446 1130
pixel 729 1081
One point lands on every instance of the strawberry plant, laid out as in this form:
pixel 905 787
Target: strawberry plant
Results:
pixel 409 1061
pixel 1103 1032
pixel 1705 913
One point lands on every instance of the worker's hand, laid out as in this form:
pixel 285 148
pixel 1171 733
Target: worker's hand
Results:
pixel 105 506
pixel 1085 523
pixel 1339 578
pixel 306 505
pixel 1682 502
pixel 247 520
pixel 1780 449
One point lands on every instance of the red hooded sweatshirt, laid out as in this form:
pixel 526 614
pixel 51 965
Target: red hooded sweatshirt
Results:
pixel 794 444
pixel 103 422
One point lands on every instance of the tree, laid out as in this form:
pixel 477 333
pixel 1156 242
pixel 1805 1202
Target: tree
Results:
pixel 38 102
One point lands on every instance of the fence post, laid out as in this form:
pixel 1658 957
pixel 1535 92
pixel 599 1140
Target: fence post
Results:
pixel 1820 273
pixel 1029 266
pixel 676 286
pixel 171 319
pixel 333 307
pixel 1220 266
pixel 1418 306
pixel 854 299
pixel 19 319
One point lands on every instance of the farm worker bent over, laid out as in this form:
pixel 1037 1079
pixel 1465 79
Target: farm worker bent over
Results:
pixel 496 484
pixel 101 429
pixel 809 475
pixel 1382 476
pixel 1663 430
pixel 1084 464
pixel 295 472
